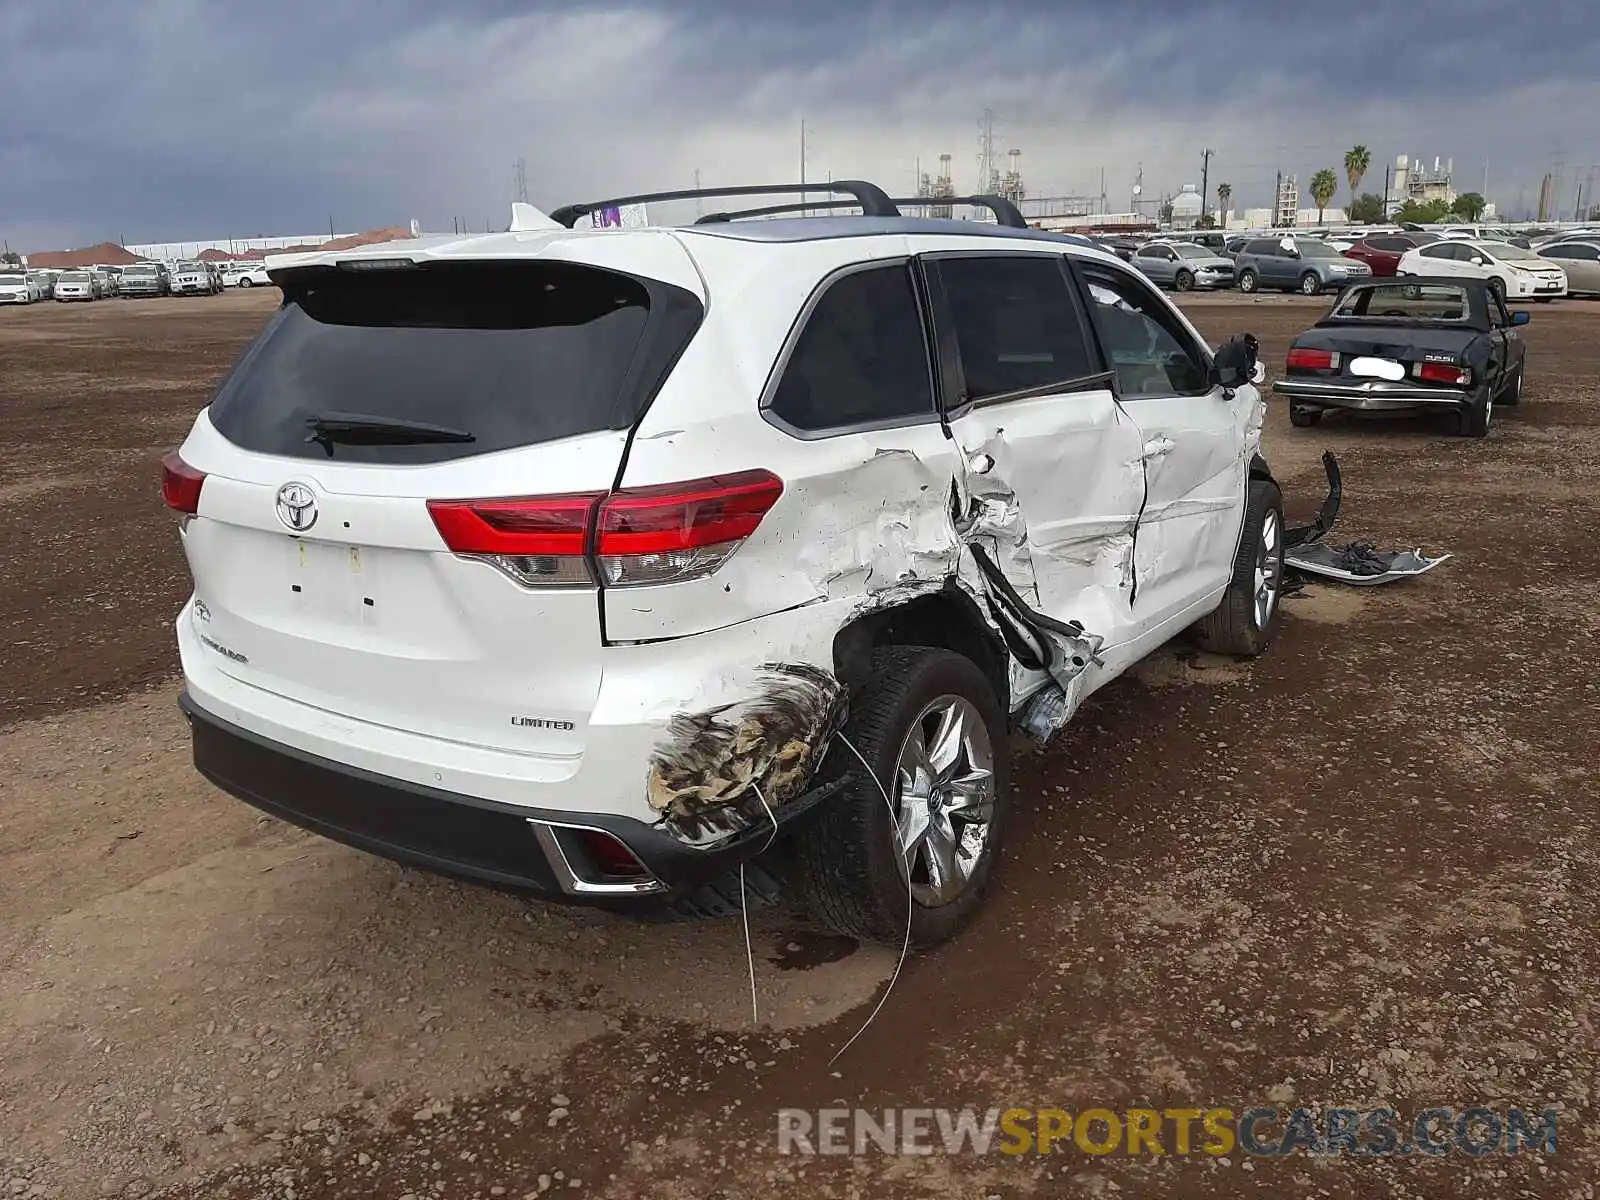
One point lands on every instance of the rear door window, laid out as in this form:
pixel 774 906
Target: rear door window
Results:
pixel 512 353
pixel 1017 326
pixel 861 358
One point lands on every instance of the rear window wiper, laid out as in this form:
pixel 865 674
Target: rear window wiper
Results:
pixel 356 429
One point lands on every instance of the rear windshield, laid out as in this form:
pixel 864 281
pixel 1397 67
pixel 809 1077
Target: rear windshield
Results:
pixel 512 353
pixel 1418 302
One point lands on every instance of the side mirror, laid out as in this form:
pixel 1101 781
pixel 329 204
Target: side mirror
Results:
pixel 1521 318
pixel 1476 261
pixel 1235 363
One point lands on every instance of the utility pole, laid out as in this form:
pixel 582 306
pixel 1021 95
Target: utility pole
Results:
pixel 522 180
pixel 1386 169
pixel 1277 199
pixel 802 166
pixel 1205 181
pixel 699 204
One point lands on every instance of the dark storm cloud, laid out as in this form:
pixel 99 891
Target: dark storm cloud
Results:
pixel 182 118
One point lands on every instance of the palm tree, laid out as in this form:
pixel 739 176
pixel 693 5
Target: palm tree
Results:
pixel 1323 185
pixel 1224 194
pixel 1356 162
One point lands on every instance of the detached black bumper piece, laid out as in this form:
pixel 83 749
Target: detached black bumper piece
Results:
pixel 598 859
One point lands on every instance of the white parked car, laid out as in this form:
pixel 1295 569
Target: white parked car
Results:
pixel 77 285
pixel 604 564
pixel 18 287
pixel 249 274
pixel 194 279
pixel 1517 274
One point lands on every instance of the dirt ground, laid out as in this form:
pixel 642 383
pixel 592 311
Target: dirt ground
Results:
pixel 1359 871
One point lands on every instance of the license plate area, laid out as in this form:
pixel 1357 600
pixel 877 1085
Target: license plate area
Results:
pixel 332 581
pixel 1378 368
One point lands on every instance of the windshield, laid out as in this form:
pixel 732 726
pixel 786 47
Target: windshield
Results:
pixel 1310 249
pixel 12 277
pixel 1511 253
pixel 1445 302
pixel 191 266
pixel 453 345
pixel 139 271
pixel 72 277
pixel 1185 250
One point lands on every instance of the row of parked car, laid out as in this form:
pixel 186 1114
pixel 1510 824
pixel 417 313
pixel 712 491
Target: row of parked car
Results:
pixel 19 285
pixel 1515 265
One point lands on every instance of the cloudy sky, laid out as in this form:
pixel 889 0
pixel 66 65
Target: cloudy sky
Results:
pixel 148 120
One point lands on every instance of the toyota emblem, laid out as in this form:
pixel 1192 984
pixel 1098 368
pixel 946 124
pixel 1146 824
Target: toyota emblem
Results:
pixel 297 507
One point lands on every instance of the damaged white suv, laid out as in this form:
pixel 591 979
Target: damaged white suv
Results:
pixel 600 563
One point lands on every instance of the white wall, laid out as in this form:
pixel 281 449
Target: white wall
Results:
pixel 171 250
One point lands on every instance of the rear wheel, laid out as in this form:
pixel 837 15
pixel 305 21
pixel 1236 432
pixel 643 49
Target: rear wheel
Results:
pixel 1498 287
pixel 1304 418
pixel 929 725
pixel 1473 422
pixel 1310 285
pixel 244 281
pixel 1248 280
pixel 1248 616
pixel 1182 281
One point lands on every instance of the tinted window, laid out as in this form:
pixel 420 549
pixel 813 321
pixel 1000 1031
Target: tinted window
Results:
pixel 1437 250
pixel 1392 244
pixel 1587 253
pixel 1015 323
pixel 512 353
pixel 1561 252
pixel 1150 353
pixel 861 357
pixel 1262 247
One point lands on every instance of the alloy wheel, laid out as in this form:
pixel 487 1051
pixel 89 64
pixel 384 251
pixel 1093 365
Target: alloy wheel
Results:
pixel 1269 570
pixel 945 792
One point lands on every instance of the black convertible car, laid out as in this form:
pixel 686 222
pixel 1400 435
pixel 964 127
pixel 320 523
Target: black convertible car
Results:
pixel 1416 343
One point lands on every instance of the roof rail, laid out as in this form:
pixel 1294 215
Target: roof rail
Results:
pixel 874 201
pixel 1005 212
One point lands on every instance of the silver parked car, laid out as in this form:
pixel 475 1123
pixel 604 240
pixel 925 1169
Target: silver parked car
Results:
pixel 195 279
pixel 1295 264
pixel 1580 260
pixel 1183 265
pixel 77 285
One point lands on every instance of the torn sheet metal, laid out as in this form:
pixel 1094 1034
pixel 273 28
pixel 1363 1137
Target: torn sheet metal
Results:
pixel 1360 564
pixel 710 776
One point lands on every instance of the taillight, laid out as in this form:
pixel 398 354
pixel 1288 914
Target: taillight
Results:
pixel 1312 360
pixel 1444 373
pixel 180 485
pixel 680 530
pixel 649 535
pixel 609 857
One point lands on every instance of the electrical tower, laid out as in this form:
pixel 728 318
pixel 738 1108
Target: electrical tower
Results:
pixel 522 180
pixel 988 165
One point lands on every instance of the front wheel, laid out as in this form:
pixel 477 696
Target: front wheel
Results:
pixel 1310 285
pixel 1248 281
pixel 1498 287
pixel 1182 281
pixel 1246 619
pixel 928 724
pixel 1513 393
pixel 244 282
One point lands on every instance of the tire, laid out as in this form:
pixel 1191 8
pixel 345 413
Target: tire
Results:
pixel 848 866
pixel 1248 281
pixel 1304 418
pixel 1513 392
pixel 244 283
pixel 1310 285
pixel 1474 421
pixel 1182 281
pixel 1497 287
pixel 1239 625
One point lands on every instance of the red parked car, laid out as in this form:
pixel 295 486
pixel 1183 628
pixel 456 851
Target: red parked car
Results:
pixel 1382 251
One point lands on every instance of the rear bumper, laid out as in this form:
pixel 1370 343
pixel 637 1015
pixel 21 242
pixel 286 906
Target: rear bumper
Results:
pixel 510 847
pixel 1375 395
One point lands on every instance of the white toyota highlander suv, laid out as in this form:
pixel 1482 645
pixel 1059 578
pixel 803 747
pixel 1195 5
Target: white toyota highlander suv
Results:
pixel 605 564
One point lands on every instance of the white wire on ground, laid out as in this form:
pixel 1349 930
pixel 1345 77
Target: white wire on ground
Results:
pixel 744 907
pixel 905 944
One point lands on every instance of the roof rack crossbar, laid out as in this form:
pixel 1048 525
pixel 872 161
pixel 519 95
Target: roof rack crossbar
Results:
pixel 1005 212
pixel 874 201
